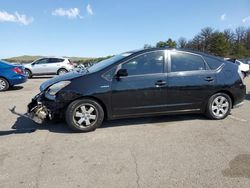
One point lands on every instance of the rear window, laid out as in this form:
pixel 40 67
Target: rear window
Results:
pixel 213 63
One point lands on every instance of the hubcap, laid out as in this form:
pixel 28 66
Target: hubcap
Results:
pixel 220 106
pixel 85 115
pixel 2 84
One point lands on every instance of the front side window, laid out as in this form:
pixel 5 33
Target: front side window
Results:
pixel 42 61
pixel 186 62
pixel 149 63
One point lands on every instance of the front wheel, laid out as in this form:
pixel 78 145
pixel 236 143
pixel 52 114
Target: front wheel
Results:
pixel 84 115
pixel 28 73
pixel 219 106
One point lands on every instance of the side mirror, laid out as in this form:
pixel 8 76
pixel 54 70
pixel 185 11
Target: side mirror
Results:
pixel 122 72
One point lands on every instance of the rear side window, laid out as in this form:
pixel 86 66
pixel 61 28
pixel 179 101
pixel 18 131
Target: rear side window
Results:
pixel 213 63
pixel 186 62
pixel 55 60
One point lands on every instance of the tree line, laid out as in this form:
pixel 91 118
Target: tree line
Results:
pixel 227 43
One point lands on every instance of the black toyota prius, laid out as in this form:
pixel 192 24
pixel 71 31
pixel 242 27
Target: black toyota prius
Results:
pixel 141 83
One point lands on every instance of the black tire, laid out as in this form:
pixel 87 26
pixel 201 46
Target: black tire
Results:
pixel 4 84
pixel 75 108
pixel 29 73
pixel 220 111
pixel 62 71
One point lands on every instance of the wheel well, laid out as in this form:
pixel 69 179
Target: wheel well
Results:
pixel 61 69
pixel 5 79
pixel 99 101
pixel 228 93
pixel 28 70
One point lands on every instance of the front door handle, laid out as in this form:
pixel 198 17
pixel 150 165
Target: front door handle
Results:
pixel 159 83
pixel 209 79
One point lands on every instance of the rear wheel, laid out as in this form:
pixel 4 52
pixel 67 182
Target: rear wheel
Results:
pixel 84 115
pixel 62 71
pixel 219 106
pixel 4 84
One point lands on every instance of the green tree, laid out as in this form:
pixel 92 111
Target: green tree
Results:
pixel 239 50
pixel 171 43
pixel 219 44
pixel 161 44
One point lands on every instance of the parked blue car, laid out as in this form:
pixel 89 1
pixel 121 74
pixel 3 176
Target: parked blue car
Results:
pixel 11 75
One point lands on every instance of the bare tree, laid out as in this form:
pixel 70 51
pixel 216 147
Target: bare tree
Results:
pixel 182 42
pixel 240 34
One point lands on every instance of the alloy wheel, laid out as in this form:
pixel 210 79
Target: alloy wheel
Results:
pixel 85 115
pixel 2 84
pixel 220 106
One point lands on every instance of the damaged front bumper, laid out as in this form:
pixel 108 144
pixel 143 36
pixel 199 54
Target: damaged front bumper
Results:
pixel 37 110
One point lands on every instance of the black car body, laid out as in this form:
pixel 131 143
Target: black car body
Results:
pixel 140 83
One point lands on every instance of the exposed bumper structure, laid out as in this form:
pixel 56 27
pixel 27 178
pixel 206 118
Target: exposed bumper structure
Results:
pixel 37 111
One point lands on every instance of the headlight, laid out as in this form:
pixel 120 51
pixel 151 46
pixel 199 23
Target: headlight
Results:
pixel 54 89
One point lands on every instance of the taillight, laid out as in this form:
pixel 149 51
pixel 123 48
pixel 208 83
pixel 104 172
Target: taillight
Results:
pixel 17 70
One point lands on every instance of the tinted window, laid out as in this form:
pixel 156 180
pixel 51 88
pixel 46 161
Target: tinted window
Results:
pixel 186 62
pixel 213 63
pixel 55 60
pixel 110 74
pixel 42 61
pixel 148 63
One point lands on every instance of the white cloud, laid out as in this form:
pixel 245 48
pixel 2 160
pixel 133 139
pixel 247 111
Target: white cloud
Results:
pixel 17 18
pixel 223 17
pixel 71 13
pixel 246 19
pixel 89 10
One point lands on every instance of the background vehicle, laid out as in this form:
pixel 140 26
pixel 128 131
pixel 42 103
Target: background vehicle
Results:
pixel 49 66
pixel 11 75
pixel 244 67
pixel 245 61
pixel 141 83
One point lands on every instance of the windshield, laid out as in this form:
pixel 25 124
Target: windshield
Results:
pixel 105 63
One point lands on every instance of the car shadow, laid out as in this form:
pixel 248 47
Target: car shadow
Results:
pixel 15 88
pixel 248 96
pixel 41 77
pixel 25 126
pixel 151 120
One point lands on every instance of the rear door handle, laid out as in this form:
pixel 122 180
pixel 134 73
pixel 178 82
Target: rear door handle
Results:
pixel 209 79
pixel 159 83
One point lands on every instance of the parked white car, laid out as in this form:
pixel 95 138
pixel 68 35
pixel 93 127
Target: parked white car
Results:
pixel 244 68
pixel 49 66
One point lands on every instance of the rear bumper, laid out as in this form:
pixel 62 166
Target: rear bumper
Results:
pixel 18 79
pixel 239 94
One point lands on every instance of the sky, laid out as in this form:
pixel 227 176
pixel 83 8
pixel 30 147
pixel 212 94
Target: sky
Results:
pixel 94 28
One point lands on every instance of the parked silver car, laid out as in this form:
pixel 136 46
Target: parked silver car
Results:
pixel 49 66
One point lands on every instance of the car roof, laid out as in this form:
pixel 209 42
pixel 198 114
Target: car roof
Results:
pixel 177 49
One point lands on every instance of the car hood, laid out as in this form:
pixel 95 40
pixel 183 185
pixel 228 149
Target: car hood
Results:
pixel 68 76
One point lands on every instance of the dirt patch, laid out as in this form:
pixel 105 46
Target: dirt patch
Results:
pixel 238 167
